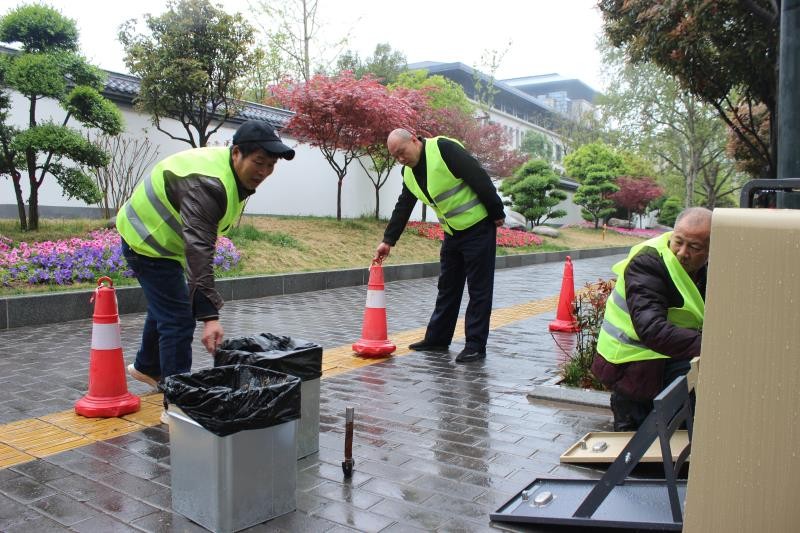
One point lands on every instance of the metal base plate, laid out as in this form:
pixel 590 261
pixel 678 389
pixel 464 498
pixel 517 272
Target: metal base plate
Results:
pixel 635 504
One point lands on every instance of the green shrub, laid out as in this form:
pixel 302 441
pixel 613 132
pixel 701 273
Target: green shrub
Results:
pixel 590 305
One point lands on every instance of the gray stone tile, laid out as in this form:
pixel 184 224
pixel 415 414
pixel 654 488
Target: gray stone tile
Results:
pixel 24 489
pixel 352 517
pixel 13 512
pixel 41 471
pixel 163 522
pixel 346 493
pixel 102 524
pixel 63 509
pixel 39 524
pixel 120 506
pixel 436 443
pixel 423 517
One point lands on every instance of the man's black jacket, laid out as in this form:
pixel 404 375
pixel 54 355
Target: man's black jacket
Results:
pixel 649 293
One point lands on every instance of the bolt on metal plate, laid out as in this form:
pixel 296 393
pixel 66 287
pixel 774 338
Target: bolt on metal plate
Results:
pixel 543 498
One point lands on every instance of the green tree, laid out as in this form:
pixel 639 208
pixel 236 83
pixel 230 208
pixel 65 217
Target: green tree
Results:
pixel 534 192
pixel 190 64
pixel 724 52
pixel 385 64
pixel 268 69
pixel 483 77
pixel 669 211
pixel 579 163
pixel 538 145
pixel 576 130
pixel 676 129
pixel 593 194
pixel 48 66
pixel 293 28
pixel 442 92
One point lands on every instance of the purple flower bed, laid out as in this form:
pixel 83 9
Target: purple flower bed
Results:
pixel 76 260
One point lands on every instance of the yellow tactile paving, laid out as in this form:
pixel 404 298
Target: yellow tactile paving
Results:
pixel 26 440
pixel 10 456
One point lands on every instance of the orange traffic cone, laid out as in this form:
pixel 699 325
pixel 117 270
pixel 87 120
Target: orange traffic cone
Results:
pixel 373 341
pixel 108 391
pixel 565 316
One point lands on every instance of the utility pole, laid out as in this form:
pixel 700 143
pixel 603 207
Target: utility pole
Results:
pixel 789 99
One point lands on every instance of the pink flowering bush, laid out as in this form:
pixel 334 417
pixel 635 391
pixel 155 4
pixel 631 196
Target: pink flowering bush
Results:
pixel 635 232
pixel 644 233
pixel 505 237
pixel 78 260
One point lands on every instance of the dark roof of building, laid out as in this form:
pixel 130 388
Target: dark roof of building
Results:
pixel 548 83
pixel 464 75
pixel 123 88
pixel 568 184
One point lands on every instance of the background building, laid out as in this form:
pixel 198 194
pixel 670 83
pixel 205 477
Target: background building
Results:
pixel 286 192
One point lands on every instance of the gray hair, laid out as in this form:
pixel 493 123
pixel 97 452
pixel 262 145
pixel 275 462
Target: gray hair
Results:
pixel 401 134
pixel 694 216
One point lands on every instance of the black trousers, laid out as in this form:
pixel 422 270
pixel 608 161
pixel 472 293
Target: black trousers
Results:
pixel 467 258
pixel 629 413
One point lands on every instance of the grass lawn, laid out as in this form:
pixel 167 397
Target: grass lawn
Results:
pixel 282 244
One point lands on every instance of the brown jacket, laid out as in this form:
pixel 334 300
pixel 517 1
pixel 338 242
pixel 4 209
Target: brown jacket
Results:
pixel 201 201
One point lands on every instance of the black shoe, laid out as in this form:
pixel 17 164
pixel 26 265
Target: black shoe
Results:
pixel 428 346
pixel 469 355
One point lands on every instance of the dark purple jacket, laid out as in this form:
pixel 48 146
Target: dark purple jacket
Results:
pixel 649 293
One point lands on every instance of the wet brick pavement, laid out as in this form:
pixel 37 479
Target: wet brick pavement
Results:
pixel 437 446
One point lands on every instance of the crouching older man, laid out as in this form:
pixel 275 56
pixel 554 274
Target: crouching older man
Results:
pixel 654 317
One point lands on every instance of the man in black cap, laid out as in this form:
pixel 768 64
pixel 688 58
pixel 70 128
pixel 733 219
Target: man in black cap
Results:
pixel 171 223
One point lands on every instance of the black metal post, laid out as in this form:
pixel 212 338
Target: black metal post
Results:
pixel 789 99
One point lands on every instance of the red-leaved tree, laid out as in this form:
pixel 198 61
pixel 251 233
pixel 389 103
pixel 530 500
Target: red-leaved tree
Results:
pixel 486 141
pixel 409 105
pixel 635 194
pixel 341 115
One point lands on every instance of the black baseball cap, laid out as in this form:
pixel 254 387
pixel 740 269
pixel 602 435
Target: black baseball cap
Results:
pixel 262 134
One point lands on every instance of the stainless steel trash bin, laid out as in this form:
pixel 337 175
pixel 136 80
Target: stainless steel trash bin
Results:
pixel 230 483
pixel 308 425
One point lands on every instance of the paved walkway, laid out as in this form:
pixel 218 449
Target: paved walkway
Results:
pixel 437 447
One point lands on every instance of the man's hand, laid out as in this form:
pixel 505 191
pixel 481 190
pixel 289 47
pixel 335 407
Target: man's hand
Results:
pixel 382 252
pixel 499 222
pixel 212 335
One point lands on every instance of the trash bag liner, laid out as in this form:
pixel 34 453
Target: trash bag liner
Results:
pixel 274 352
pixel 228 399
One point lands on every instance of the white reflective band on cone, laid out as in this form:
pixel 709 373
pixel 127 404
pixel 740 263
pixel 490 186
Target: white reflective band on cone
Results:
pixel 105 336
pixel 376 299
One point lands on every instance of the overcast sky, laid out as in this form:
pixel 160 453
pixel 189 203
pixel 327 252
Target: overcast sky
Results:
pixel 546 36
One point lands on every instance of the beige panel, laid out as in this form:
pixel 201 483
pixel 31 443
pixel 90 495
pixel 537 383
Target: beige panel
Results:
pixel 605 446
pixel 745 471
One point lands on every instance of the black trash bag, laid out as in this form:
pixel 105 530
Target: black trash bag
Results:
pixel 273 352
pixel 228 399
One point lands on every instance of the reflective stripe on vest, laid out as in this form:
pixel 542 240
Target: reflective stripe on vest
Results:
pixel 151 225
pixel 618 342
pixel 456 205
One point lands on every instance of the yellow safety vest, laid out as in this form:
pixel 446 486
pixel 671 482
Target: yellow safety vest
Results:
pixel 151 225
pixel 455 203
pixel 618 342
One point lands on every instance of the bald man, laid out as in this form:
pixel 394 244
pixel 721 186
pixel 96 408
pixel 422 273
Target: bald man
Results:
pixel 443 175
pixel 653 319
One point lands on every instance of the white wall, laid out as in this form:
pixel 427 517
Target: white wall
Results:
pixel 306 185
